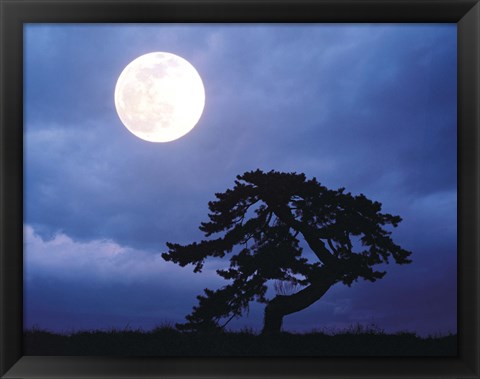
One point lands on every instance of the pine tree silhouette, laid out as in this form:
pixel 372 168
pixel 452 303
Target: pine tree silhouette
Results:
pixel 260 223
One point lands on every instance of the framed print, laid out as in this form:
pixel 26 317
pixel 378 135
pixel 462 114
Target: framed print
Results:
pixel 236 189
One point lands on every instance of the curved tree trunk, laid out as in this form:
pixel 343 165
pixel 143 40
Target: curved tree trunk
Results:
pixel 280 306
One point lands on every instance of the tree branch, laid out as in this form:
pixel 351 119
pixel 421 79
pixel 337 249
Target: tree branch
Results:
pixel 309 233
pixel 332 247
pixel 230 319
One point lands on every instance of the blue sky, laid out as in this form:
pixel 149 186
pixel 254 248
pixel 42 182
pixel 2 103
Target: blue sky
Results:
pixel 368 107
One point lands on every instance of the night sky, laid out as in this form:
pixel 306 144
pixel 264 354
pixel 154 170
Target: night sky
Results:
pixel 371 108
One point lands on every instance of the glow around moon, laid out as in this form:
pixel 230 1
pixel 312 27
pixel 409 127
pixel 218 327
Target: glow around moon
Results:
pixel 159 97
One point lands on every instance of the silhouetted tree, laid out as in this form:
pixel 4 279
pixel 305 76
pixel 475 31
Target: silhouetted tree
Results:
pixel 261 221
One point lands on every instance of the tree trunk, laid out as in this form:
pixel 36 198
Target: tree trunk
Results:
pixel 281 305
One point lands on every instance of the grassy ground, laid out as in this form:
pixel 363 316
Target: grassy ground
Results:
pixel 166 341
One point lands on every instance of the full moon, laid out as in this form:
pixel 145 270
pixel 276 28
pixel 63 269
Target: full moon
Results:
pixel 159 97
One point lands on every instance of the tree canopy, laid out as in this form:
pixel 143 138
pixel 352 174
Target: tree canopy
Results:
pixel 264 224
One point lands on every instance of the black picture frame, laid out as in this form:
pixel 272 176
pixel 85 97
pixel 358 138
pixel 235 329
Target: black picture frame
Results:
pixel 14 13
